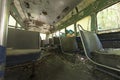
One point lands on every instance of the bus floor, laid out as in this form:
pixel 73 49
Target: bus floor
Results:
pixel 58 67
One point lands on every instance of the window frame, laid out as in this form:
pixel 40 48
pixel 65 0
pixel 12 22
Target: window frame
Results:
pixel 77 30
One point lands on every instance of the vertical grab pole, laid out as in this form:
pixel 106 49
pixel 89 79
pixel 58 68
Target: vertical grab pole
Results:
pixel 3 35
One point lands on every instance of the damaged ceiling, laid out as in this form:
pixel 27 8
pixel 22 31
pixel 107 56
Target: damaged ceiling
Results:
pixel 42 15
pixel 82 5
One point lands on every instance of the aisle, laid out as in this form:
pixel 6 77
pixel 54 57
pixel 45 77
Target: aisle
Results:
pixel 56 67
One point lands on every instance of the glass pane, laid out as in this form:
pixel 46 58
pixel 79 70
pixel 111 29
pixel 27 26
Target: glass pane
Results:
pixel 43 36
pixel 53 34
pixel 50 35
pixel 71 27
pixel 62 33
pixel 70 32
pixel 85 23
pixel 109 18
pixel 12 21
pixel 18 25
pixel 57 34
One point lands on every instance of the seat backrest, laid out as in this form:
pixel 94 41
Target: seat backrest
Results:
pixel 50 41
pixel 90 42
pixel 69 44
pixel 79 43
pixel 56 40
pixel 22 39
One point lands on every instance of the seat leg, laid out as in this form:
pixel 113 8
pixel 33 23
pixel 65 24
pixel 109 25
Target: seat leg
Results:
pixel 33 70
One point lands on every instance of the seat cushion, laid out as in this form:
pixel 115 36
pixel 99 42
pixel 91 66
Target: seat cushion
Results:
pixel 109 57
pixel 19 56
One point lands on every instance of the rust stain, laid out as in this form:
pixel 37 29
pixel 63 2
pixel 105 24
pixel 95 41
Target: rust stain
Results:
pixel 38 23
pixel 27 5
pixel 44 12
pixel 58 17
pixel 29 15
pixel 66 9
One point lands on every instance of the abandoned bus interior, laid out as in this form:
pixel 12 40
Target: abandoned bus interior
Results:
pixel 59 39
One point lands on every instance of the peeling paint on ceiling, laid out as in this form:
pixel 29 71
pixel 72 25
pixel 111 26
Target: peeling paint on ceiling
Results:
pixel 39 15
pixel 44 11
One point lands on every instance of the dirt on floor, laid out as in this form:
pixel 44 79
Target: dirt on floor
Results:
pixel 58 67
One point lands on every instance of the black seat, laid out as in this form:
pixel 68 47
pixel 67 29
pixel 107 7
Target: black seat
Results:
pixel 80 46
pixel 109 58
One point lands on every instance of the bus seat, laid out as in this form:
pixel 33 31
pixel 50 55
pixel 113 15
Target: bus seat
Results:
pixel 22 46
pixel 94 50
pixel 20 56
pixel 80 46
pixel 56 43
pixel 69 44
pixel 22 39
pixel 51 41
pixel 90 42
pixel 51 44
pixel 110 40
pixel 56 40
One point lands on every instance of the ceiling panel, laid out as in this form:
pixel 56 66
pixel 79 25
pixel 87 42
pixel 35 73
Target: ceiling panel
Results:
pixel 44 11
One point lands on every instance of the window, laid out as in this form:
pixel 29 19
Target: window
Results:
pixel 12 21
pixel 62 32
pixel 57 34
pixel 109 18
pixel 70 32
pixel 54 35
pixel 50 36
pixel 71 27
pixel 43 36
pixel 18 25
pixel 85 23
